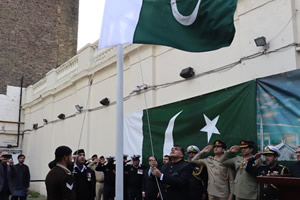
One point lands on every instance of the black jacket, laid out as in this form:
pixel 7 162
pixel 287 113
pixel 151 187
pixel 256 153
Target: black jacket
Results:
pixel 150 185
pixel 109 173
pixel 175 181
pixel 25 173
pixel 267 191
pixel 85 183
pixel 134 176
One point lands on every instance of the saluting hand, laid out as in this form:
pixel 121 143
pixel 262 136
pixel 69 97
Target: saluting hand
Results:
pixel 207 149
pixel 234 149
pixel 258 155
pixel 156 172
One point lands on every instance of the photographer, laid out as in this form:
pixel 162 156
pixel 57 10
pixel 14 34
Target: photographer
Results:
pixel 7 175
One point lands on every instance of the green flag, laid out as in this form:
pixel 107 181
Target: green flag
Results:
pixel 228 115
pixel 190 25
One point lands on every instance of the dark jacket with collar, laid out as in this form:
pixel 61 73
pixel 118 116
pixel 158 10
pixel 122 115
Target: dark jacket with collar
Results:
pixel 175 181
pixel 150 185
pixel 11 177
pixel 85 183
pixel 267 191
pixel 25 173
pixel 135 176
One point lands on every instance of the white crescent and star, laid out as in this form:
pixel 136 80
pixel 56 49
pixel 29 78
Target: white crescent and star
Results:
pixel 210 128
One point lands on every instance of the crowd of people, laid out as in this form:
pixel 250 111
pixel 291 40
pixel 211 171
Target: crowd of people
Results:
pixel 225 175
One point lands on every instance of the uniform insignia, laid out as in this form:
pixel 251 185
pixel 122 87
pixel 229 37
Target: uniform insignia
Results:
pixel 70 187
pixel 89 176
pixel 175 174
pixel 140 171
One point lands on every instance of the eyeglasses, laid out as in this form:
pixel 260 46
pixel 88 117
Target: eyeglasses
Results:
pixel 297 152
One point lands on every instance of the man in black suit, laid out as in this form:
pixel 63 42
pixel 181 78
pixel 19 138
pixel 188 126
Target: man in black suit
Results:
pixel 150 189
pixel 175 176
pixel 23 179
pixel 7 175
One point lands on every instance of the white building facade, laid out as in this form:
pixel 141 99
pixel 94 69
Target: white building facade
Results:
pixel 158 67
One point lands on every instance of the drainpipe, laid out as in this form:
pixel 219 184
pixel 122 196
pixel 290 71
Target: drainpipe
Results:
pixel 20 109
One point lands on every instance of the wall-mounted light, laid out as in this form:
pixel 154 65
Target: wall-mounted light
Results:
pixel 61 116
pixel 78 108
pixel 35 126
pixel 45 121
pixel 187 72
pixel 261 42
pixel 105 101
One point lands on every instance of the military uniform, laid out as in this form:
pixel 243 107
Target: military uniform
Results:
pixel 198 182
pixel 109 180
pixel 199 178
pixel 267 191
pixel 220 177
pixel 85 182
pixel 134 181
pixel 99 180
pixel 59 184
pixel 244 185
pixel 175 180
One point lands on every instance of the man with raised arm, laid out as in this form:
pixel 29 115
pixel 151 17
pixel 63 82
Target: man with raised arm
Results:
pixel 244 186
pixel 220 177
pixel 271 168
pixel 175 176
pixel 199 178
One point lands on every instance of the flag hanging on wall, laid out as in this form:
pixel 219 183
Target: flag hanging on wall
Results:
pixel 189 25
pixel 228 115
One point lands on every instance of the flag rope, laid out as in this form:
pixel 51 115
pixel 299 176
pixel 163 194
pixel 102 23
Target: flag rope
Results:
pixel 83 120
pixel 148 120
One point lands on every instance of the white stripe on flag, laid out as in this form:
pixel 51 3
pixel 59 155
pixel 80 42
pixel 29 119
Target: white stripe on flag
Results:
pixel 133 134
pixel 119 22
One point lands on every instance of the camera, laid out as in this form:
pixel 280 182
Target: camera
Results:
pixel 7 156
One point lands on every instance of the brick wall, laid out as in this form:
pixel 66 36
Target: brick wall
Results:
pixel 35 36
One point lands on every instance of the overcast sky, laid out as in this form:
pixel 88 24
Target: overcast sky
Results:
pixel 90 17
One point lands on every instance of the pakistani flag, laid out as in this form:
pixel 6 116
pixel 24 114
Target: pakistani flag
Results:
pixel 190 25
pixel 228 115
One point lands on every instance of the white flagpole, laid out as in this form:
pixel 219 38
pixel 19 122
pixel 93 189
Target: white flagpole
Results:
pixel 119 135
